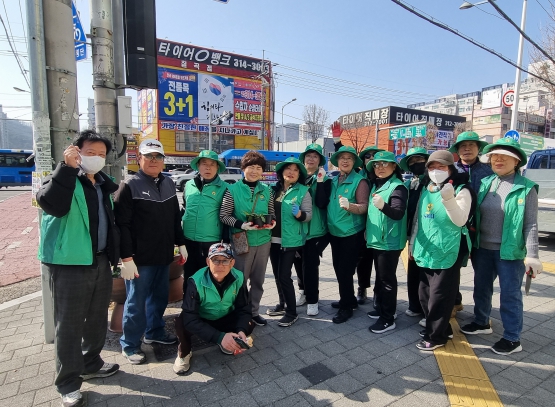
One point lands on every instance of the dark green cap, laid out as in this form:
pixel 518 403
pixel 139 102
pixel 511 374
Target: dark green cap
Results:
pixel 347 149
pixel 317 148
pixel 292 160
pixel 211 155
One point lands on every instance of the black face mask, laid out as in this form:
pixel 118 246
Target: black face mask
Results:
pixel 417 168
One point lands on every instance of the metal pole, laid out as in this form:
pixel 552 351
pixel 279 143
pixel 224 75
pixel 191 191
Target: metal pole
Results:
pixel 282 130
pixel 119 79
pixel 209 126
pixel 105 106
pixel 263 103
pixel 376 138
pixel 41 134
pixel 514 115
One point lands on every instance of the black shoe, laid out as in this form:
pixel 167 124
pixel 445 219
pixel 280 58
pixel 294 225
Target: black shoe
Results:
pixel 506 347
pixel 279 309
pixel 361 295
pixel 335 304
pixel 342 315
pixel 373 314
pixel 474 329
pixel 108 369
pixel 380 327
pixel 288 320
pixel 258 320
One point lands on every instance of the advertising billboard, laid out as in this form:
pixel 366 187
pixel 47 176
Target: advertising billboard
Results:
pixel 491 98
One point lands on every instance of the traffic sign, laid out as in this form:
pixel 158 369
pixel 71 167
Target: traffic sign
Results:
pixel 408 132
pixel 78 36
pixel 515 135
pixel 509 98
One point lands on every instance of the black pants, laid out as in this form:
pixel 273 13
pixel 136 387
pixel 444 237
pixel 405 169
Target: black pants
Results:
pixel 438 291
pixel 364 265
pixel 225 324
pixel 344 252
pixel 413 281
pixel 309 273
pixel 282 263
pixel 197 251
pixel 385 287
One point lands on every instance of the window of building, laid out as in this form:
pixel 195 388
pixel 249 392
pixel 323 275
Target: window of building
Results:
pixel 194 141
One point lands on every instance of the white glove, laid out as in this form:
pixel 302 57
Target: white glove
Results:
pixel 344 203
pixel 248 226
pixel 129 270
pixel 533 266
pixel 414 182
pixel 378 201
pixel 447 192
pixel 183 251
pixel 320 175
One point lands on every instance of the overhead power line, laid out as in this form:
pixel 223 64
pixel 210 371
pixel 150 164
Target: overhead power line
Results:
pixel 15 53
pixel 439 24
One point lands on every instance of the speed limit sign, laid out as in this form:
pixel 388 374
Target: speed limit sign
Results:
pixel 509 98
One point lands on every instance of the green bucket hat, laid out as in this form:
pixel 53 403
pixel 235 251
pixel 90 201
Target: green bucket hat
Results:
pixel 367 149
pixel 211 155
pixel 413 151
pixel 468 136
pixel 317 148
pixel 507 142
pixel 347 149
pixel 386 156
pixel 292 160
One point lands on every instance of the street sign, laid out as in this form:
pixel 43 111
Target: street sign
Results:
pixel 222 1
pixel 513 134
pixel 78 36
pixel 408 132
pixel 508 98
pixel 530 143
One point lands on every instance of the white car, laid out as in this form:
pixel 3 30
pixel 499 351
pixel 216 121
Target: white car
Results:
pixel 231 175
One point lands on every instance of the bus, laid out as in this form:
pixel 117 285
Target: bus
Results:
pixel 16 167
pixel 232 158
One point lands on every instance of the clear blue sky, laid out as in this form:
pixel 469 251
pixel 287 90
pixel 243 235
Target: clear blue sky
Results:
pixel 373 43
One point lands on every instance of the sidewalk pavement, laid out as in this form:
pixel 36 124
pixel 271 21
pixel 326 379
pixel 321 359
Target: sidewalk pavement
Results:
pixel 312 363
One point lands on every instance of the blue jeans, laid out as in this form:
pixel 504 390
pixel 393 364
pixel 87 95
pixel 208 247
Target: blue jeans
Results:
pixel 147 299
pixel 487 267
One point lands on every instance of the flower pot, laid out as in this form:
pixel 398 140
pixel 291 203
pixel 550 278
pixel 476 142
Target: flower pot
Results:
pixel 119 294
pixel 251 218
pixel 176 270
pixel 176 290
pixel 258 221
pixel 116 320
pixel 267 219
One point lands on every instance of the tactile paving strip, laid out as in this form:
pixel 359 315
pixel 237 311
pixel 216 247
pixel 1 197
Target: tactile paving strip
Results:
pixel 465 379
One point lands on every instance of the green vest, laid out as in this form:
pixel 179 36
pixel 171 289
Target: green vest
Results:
pixel 212 306
pixel 67 240
pixel 201 220
pixel 382 232
pixel 342 223
pixel 513 245
pixel 438 240
pixel 293 232
pixel 318 224
pixel 243 201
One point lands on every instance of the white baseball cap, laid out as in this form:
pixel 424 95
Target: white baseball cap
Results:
pixel 151 146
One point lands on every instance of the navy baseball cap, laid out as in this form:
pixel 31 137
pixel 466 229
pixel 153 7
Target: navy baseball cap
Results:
pixel 220 249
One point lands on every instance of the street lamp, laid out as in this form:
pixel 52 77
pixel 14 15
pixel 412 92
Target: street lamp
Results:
pixel 283 128
pixel 20 90
pixel 218 120
pixel 514 115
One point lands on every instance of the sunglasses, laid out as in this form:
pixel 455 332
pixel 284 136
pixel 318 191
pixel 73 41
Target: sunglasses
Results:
pixel 368 156
pixel 151 157
pixel 380 164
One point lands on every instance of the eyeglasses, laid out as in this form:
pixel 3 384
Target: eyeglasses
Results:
pixel 225 262
pixel 151 157
pixel 380 164
pixel 368 156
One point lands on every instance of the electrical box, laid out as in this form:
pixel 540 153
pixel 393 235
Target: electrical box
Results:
pixel 125 124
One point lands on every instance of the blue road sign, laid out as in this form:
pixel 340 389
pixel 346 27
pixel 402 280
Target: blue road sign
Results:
pixel 515 135
pixel 78 36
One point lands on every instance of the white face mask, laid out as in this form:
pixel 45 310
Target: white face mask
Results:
pixel 92 164
pixel 438 176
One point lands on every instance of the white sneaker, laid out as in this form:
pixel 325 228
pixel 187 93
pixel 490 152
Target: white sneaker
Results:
pixel 312 309
pixel 422 322
pixel 73 399
pixel 301 298
pixel 410 313
pixel 182 365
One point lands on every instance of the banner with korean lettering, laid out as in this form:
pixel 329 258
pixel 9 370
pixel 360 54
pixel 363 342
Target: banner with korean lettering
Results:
pixel 177 95
pixel 247 108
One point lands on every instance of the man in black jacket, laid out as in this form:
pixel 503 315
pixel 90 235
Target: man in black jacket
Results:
pixel 79 240
pixel 148 214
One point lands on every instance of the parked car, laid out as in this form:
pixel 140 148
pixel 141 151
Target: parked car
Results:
pixel 230 175
pixel 541 169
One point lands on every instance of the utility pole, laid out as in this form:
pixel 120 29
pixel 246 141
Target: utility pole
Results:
pixel 105 104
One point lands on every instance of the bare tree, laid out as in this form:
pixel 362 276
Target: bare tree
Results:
pixel 460 128
pixel 541 66
pixel 316 119
pixel 358 135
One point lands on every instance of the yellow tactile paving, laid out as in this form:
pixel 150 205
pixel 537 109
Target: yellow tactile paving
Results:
pixel 549 267
pixel 465 379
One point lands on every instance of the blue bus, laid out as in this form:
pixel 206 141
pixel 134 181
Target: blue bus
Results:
pixel 16 167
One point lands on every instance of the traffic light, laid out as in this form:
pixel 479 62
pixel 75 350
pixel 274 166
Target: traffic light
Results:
pixel 139 22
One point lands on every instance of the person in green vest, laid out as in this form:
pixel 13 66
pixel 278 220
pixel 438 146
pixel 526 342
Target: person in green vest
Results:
pixel 216 308
pixel 415 162
pixel 346 215
pixel 386 235
pixel 318 238
pixel 293 209
pixel 202 198
pixel 440 244
pixel 506 243
pixel 246 197
pixel 78 241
